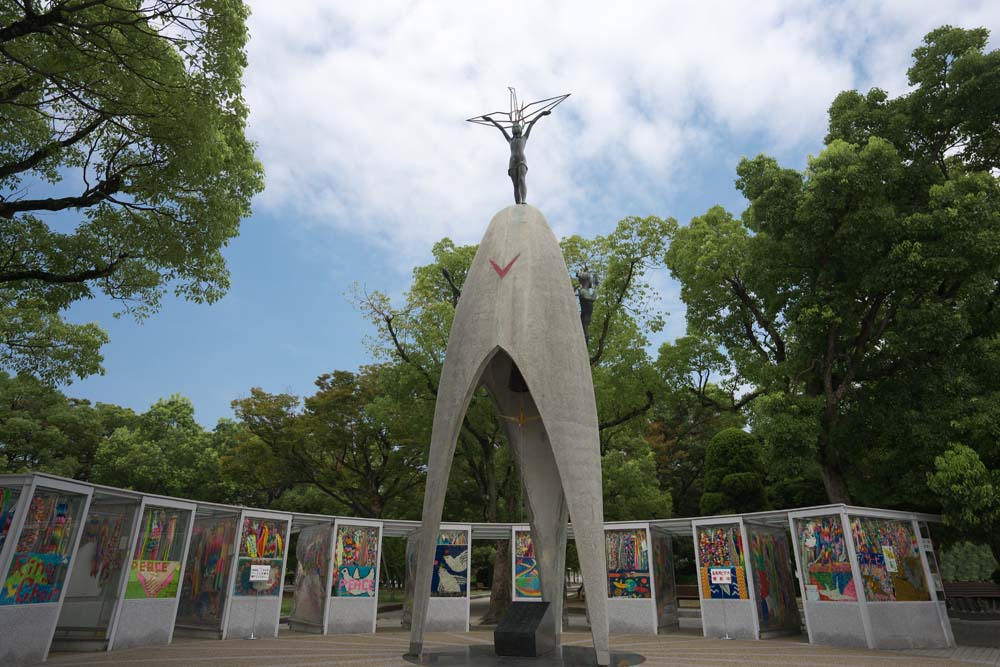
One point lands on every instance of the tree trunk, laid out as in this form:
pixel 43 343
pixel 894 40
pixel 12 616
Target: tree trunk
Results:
pixel 833 477
pixel 500 593
pixel 835 484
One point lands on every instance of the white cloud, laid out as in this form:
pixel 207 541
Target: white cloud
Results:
pixel 358 107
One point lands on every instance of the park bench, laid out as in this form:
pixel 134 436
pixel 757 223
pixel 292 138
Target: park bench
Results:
pixel 972 599
pixel 687 591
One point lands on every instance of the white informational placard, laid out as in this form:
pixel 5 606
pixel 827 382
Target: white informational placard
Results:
pixel 260 572
pixel 721 575
pixel 889 554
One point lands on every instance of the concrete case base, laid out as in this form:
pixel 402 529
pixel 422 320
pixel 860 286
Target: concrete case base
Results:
pixel 241 615
pixel 631 617
pixel 898 625
pixel 835 624
pixel 352 615
pixel 734 618
pixel 447 615
pixel 145 623
pixel 27 632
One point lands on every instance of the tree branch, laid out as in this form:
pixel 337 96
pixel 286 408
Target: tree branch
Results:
pixel 709 402
pixel 632 414
pixel 63 278
pixel 741 293
pixel 47 151
pixel 93 195
pixel 456 293
pixel 606 325
pixel 871 332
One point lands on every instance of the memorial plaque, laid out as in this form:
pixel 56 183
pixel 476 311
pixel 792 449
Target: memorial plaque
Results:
pixel 520 632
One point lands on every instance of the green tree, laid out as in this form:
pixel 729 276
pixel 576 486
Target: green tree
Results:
pixel 631 487
pixel 734 474
pixel 41 430
pixel 124 165
pixel 690 409
pixel 165 451
pixel 970 495
pixel 343 441
pixel 882 255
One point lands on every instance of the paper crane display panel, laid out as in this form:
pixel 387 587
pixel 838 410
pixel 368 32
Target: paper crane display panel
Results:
pixel 665 591
pixel 156 564
pixel 773 582
pixel 450 575
pixel 527 583
pixel 312 554
pixel 102 562
pixel 889 559
pixel 208 565
pixel 355 562
pixel 628 563
pixel 42 553
pixel 721 548
pixel 262 542
pixel 825 563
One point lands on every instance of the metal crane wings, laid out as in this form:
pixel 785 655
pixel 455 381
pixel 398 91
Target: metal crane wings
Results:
pixel 520 114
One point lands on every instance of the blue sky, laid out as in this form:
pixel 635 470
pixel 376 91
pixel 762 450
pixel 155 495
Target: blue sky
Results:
pixel 358 115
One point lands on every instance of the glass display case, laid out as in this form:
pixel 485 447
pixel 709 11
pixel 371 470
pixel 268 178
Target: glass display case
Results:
pixel 41 558
pixel 156 562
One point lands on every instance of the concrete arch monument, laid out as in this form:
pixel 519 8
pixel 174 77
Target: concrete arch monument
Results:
pixel 517 332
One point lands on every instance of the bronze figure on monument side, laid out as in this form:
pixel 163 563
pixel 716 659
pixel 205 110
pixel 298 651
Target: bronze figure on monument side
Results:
pixel 519 120
pixel 587 293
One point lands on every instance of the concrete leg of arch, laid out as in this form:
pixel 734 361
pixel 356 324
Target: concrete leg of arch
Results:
pixel 517 305
pixel 545 499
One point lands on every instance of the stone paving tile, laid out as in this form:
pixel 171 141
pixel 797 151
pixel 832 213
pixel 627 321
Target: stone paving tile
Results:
pixel 385 649
pixel 980 655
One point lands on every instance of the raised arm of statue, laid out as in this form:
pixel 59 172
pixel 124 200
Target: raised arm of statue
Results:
pixel 499 127
pixel 516 126
pixel 527 132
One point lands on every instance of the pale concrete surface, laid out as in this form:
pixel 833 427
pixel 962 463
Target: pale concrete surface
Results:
pixel 385 649
pixel 518 307
pixel 980 655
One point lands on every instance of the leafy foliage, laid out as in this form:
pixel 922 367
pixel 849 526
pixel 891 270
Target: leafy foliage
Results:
pixel 734 474
pixel 883 255
pixel 969 493
pixel 124 166
pixel 966 561
pixel 344 441
pixel 166 451
pixel 631 487
pixel 41 430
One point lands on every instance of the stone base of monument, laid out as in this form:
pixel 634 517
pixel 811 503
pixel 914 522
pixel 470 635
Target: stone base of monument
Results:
pixel 524 637
pixel 483 655
pixel 525 631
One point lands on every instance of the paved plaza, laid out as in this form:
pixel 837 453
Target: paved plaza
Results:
pixel 682 649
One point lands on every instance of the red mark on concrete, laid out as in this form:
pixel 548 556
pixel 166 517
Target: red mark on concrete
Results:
pixel 503 272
